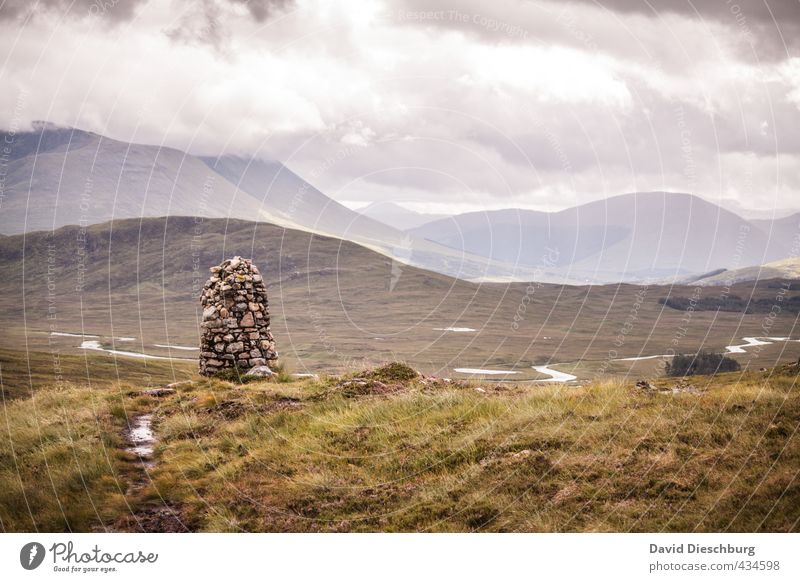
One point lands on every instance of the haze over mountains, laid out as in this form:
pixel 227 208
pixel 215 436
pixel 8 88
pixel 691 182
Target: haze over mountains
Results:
pixel 57 176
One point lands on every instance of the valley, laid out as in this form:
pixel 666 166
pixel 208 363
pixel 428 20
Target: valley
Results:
pixel 130 288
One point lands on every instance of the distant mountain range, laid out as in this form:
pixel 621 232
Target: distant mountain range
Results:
pixel 632 237
pixel 58 176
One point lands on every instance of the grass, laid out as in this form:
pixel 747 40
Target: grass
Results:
pixel 62 467
pixel 22 373
pixel 429 456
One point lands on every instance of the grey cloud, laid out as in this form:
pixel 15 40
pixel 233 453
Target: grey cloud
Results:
pixel 770 27
pixel 123 10
pixel 199 26
pixel 765 31
pixel 262 10
pixel 113 10
pixel 210 24
pixel 757 10
pixel 437 128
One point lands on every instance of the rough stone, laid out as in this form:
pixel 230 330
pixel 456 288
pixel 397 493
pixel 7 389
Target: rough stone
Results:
pixel 235 347
pixel 645 385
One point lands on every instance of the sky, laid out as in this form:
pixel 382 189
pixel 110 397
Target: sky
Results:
pixel 442 106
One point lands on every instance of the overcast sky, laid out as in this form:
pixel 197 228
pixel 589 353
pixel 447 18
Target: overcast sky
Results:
pixel 448 105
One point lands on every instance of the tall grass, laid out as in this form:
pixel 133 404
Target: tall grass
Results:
pixel 57 461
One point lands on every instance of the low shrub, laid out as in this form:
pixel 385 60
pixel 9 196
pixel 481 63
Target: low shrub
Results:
pixel 702 363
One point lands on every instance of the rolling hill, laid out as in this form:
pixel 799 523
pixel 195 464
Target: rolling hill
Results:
pixel 335 304
pixel 783 269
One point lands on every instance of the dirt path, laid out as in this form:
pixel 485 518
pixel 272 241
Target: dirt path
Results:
pixel 149 513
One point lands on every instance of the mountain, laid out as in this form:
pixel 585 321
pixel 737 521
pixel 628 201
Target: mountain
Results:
pixel 60 176
pixel 298 204
pixel 785 229
pixel 765 213
pixel 287 195
pixel 396 216
pixel 632 237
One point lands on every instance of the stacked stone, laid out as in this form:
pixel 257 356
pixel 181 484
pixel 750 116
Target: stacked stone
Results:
pixel 235 319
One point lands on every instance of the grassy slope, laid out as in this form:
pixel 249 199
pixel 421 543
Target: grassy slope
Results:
pixel 785 268
pixel 305 456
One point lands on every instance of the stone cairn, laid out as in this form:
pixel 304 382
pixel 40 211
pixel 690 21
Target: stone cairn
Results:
pixel 235 319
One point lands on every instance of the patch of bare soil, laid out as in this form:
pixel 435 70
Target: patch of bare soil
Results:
pixel 678 386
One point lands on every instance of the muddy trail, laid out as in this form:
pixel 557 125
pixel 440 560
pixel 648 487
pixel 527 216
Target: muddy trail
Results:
pixel 148 511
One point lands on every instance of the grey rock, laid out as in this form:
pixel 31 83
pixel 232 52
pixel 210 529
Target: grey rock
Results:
pixel 260 371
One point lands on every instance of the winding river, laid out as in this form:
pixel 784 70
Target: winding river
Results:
pixel 555 375
pixel 95 345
